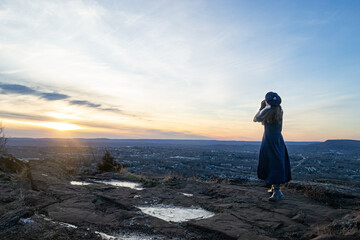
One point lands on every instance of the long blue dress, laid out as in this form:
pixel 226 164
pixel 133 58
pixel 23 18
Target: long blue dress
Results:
pixel 274 164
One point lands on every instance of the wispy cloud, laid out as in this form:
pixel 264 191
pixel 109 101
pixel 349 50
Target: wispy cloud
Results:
pixel 85 103
pixel 22 116
pixel 25 90
pixel 53 96
pixel 19 89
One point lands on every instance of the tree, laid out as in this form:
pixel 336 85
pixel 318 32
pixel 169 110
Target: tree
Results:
pixel 3 139
pixel 108 163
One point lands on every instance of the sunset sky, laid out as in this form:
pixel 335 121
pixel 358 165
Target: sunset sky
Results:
pixel 179 69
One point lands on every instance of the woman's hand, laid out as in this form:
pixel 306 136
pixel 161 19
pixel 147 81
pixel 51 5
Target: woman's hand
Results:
pixel 263 105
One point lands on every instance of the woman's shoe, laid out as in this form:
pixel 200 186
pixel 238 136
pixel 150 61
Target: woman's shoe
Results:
pixel 271 190
pixel 277 194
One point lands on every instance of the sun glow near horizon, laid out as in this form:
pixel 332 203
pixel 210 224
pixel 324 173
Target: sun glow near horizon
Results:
pixel 60 126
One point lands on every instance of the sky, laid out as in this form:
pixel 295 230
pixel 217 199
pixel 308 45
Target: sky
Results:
pixel 188 69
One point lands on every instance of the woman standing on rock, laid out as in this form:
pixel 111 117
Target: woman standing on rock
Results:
pixel 274 164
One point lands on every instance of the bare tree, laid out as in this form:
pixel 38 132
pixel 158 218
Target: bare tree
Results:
pixel 3 139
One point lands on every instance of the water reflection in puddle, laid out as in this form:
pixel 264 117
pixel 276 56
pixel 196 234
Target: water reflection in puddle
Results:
pixel 104 236
pixel 175 214
pixel 126 236
pixel 188 194
pixel 116 183
pixel 77 183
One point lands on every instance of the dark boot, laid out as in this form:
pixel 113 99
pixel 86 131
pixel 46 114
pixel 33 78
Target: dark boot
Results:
pixel 277 194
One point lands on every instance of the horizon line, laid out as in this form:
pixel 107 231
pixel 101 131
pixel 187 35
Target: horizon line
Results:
pixel 170 139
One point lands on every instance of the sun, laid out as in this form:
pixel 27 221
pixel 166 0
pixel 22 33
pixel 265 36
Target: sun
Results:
pixel 61 126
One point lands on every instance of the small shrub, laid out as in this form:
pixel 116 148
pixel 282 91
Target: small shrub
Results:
pixel 108 163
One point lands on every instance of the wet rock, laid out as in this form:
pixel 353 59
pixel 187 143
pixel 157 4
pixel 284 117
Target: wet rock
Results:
pixel 11 219
pixel 241 209
pixel 39 227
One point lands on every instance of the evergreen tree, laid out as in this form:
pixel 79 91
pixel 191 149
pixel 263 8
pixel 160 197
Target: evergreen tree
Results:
pixel 108 163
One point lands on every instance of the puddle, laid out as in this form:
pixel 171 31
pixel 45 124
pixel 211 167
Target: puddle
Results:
pixel 117 183
pixel 30 220
pixel 68 225
pixel 77 183
pixel 26 220
pixel 188 194
pixel 105 236
pixel 175 214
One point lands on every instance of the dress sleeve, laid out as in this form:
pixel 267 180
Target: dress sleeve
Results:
pixel 260 117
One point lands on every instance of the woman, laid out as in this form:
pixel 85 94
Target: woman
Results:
pixel 274 165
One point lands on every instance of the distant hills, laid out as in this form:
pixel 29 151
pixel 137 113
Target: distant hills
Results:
pixel 333 146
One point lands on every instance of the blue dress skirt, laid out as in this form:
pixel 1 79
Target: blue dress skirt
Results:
pixel 274 164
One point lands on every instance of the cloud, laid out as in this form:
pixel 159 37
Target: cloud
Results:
pixel 85 103
pixel 163 134
pixel 25 90
pixel 99 106
pixel 21 116
pixel 117 110
pixel 53 96
pixel 17 89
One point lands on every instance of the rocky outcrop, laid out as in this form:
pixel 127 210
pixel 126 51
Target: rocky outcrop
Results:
pixel 335 195
pixel 52 208
pixel 27 225
pixel 46 175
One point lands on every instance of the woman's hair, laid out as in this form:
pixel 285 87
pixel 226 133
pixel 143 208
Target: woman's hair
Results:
pixel 274 115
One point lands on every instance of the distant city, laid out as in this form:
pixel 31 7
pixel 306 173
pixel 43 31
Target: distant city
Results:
pixel 337 160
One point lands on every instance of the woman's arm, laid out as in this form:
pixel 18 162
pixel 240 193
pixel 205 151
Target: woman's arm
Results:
pixel 262 106
pixel 256 115
pixel 261 113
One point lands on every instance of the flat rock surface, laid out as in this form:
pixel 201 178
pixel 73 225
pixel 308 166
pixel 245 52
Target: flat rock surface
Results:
pixel 44 199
